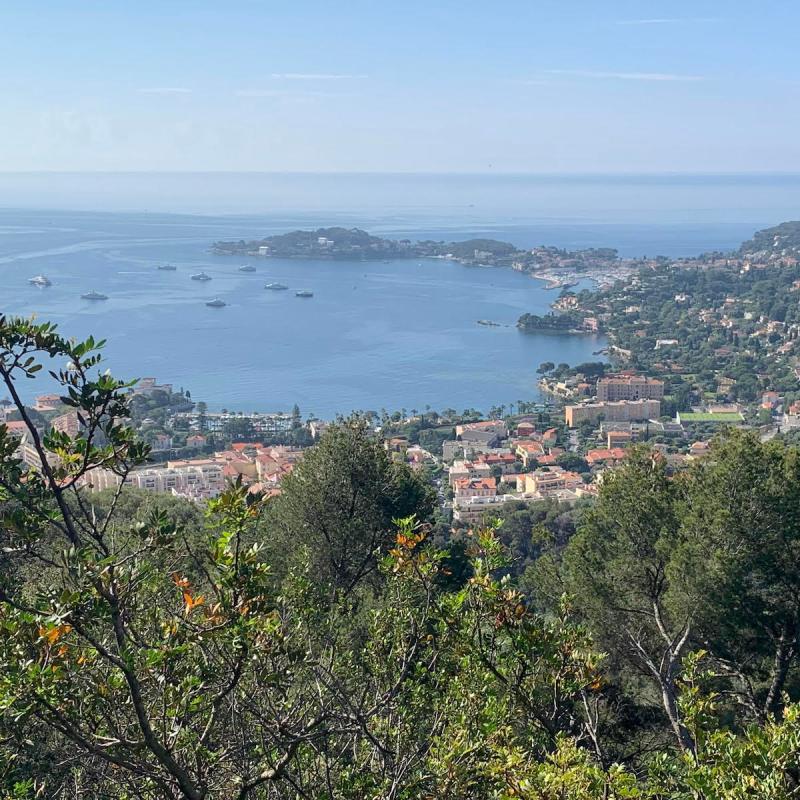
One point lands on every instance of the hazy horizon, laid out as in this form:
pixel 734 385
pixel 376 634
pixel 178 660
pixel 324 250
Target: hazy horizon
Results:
pixel 465 200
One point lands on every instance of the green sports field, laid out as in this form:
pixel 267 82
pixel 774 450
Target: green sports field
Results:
pixel 708 416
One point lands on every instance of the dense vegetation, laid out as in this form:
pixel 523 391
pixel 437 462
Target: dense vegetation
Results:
pixel 321 646
pixel 777 238
pixel 549 323
pixel 340 242
pixel 729 334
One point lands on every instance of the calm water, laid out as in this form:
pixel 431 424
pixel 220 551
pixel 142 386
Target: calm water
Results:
pixel 375 335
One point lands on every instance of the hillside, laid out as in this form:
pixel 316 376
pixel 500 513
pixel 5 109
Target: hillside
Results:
pixel 776 239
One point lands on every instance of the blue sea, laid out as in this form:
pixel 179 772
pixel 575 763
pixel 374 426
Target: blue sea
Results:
pixel 375 335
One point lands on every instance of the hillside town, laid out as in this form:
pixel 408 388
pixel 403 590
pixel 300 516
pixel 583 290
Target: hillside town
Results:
pixel 694 346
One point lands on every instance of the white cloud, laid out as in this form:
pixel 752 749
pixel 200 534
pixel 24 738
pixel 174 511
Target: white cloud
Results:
pixel 664 20
pixel 625 76
pixel 260 93
pixel 287 94
pixel 313 76
pixel 165 90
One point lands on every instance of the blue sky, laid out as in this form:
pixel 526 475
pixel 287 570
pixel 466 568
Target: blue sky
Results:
pixel 510 86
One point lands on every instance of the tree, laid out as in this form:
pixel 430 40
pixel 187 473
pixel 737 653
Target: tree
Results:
pixel 240 428
pixel 202 410
pixel 340 503
pixel 743 525
pixel 616 567
pixel 572 461
pixel 146 653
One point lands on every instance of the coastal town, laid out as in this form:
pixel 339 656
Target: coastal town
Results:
pixel 694 346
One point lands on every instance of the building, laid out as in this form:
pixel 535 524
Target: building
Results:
pixel 67 423
pixel 47 402
pixel 505 462
pixel 629 387
pixel 467 489
pixel 610 455
pixel 147 386
pixel 618 439
pixel 486 432
pixel 620 411
pixel 478 508
pixel 551 480
pixel 161 442
pixel 528 452
pixel 525 429
pixel 466 470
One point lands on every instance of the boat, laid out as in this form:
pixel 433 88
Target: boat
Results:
pixel 166 267
pixel 201 276
pixel 216 303
pixel 40 280
pixel 247 268
pixel 488 323
pixel 94 296
pixel 304 293
pixel 276 287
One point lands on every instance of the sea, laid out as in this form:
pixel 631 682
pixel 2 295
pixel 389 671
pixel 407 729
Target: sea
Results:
pixel 375 335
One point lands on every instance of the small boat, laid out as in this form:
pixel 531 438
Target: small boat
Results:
pixel 304 293
pixel 201 276
pixel 247 268
pixel 216 303
pixel 94 296
pixel 276 287
pixel 40 280
pixel 166 267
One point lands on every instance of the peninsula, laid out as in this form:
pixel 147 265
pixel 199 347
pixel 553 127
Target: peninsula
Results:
pixel 560 268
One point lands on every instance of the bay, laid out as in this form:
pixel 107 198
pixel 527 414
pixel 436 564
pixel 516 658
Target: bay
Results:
pixel 375 335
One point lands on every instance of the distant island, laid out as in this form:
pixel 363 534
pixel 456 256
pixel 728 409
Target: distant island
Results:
pixel 354 243
pixel 560 268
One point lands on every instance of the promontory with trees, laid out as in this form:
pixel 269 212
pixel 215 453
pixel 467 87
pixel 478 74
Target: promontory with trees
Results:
pixel 722 325
pixel 330 642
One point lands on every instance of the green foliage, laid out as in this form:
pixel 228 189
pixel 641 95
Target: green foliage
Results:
pixel 148 653
pixel 339 504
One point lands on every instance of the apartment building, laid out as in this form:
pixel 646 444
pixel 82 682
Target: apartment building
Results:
pixel 620 411
pixel 551 480
pixel 629 387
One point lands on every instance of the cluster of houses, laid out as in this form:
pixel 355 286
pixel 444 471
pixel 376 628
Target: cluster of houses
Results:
pixel 488 466
pixel 261 468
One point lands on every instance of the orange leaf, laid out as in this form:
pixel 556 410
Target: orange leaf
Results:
pixel 52 635
pixel 192 602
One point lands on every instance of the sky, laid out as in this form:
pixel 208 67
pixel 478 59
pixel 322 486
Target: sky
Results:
pixel 531 86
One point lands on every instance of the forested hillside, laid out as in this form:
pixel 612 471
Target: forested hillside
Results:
pixel 320 645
